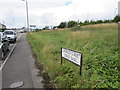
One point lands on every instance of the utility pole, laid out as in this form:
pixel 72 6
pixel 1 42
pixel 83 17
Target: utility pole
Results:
pixel 27 15
pixel 119 8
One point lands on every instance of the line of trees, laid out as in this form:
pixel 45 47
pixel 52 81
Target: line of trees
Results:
pixel 75 23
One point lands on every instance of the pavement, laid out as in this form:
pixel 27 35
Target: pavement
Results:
pixel 20 67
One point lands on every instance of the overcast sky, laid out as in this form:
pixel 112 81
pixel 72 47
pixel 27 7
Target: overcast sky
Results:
pixel 52 12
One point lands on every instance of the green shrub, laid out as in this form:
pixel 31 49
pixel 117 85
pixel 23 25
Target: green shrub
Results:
pixel 76 28
pixel 67 77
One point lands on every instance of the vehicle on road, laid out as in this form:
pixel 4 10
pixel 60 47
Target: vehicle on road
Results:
pixel 11 34
pixel 21 31
pixel 1 53
pixel 5 44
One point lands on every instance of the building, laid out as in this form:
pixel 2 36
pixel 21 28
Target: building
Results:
pixel 2 26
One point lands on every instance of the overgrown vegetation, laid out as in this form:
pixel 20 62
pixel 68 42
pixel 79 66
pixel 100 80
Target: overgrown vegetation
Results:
pixel 99 45
pixel 76 28
pixel 74 23
pixel 70 24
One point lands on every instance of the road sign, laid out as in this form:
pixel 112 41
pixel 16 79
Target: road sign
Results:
pixel 32 25
pixel 72 56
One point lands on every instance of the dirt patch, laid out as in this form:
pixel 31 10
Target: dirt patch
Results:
pixel 40 67
pixel 46 81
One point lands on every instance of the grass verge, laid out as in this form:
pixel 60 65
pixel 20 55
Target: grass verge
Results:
pixel 99 45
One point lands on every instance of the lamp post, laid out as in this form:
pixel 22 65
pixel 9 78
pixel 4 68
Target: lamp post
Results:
pixel 119 8
pixel 115 11
pixel 27 15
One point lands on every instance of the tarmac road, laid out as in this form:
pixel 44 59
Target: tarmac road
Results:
pixel 20 67
pixel 10 47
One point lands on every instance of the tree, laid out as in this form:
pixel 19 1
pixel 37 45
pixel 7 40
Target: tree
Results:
pixel 99 21
pixel 85 22
pixel 106 21
pixel 116 18
pixel 55 27
pixel 62 25
pixel 72 24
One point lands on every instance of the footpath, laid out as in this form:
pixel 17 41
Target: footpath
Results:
pixel 20 67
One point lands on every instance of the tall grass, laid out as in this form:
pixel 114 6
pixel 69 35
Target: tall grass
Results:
pixel 97 43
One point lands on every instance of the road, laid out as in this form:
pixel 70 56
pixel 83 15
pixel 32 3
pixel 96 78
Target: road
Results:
pixel 20 67
pixel 10 47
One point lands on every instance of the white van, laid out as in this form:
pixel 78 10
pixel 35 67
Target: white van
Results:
pixel 11 34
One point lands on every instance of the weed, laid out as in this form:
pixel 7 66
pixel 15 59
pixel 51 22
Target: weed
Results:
pixel 99 45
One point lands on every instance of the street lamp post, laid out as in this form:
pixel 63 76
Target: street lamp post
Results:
pixel 119 8
pixel 27 15
pixel 115 11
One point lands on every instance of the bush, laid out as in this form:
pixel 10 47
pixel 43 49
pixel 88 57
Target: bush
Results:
pixel 116 19
pixel 76 28
pixel 62 25
pixel 71 24
pixel 67 78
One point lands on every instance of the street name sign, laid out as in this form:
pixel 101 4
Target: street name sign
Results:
pixel 72 56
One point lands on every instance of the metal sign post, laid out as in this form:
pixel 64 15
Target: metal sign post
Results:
pixel 61 55
pixel 81 66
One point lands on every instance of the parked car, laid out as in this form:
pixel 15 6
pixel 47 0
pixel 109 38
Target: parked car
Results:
pixel 5 44
pixel 1 53
pixel 11 34
pixel 21 31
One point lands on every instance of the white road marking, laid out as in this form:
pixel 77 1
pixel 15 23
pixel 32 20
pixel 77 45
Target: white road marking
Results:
pixel 6 61
pixel 9 54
